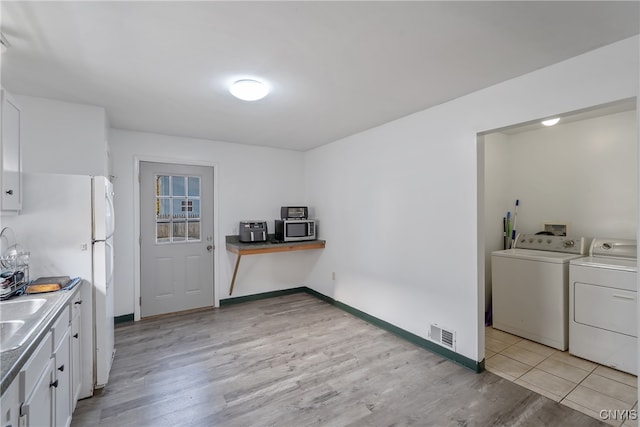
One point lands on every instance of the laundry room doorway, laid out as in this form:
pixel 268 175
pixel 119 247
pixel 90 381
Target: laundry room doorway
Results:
pixel 555 174
pixel 581 173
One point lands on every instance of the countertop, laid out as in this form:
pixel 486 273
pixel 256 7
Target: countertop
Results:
pixel 233 243
pixel 11 361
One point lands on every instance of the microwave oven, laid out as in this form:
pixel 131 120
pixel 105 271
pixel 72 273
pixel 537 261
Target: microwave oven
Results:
pixel 292 230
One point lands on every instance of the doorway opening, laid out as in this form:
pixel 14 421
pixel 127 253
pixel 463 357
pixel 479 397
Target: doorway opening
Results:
pixel 581 173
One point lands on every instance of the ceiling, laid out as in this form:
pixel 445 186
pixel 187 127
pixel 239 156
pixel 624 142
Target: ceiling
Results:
pixel 335 68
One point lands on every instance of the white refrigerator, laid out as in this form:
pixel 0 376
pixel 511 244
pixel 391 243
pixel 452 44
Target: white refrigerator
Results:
pixel 67 223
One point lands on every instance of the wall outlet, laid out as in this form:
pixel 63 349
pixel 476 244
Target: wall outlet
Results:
pixel 333 275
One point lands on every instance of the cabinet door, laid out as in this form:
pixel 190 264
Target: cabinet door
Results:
pixel 11 197
pixel 62 379
pixel 10 406
pixel 76 379
pixel 37 410
pixel 86 340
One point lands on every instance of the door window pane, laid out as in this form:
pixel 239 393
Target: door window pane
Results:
pixel 193 231
pixel 179 231
pixel 162 185
pixel 177 201
pixel 194 213
pixel 194 186
pixel 163 232
pixel 178 210
pixel 163 209
pixel 178 186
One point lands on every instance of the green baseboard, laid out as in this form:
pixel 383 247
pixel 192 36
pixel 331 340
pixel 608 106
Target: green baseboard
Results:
pixel 412 338
pixel 123 319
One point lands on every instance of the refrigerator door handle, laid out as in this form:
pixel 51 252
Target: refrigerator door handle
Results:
pixel 108 244
pixel 110 214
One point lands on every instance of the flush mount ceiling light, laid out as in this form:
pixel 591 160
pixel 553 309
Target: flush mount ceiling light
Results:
pixel 551 122
pixel 249 90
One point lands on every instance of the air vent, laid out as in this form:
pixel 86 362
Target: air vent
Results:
pixel 444 337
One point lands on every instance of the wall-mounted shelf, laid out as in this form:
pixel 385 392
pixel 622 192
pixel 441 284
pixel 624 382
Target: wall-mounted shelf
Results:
pixel 270 246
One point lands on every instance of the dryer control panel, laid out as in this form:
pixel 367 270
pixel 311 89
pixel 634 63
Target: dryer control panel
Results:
pixel 614 248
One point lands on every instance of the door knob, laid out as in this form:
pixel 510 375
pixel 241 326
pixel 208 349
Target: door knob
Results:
pixel 209 248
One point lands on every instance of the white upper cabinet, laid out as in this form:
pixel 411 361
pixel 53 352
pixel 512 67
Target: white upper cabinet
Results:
pixel 10 156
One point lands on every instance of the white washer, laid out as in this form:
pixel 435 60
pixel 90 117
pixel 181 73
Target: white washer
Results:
pixel 603 323
pixel 530 288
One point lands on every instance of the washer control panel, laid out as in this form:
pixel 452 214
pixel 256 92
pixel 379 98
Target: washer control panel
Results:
pixel 565 244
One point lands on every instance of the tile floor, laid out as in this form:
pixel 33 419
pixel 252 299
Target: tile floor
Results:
pixel 580 384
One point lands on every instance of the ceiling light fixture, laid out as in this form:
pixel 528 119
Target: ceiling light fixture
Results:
pixel 551 122
pixel 249 90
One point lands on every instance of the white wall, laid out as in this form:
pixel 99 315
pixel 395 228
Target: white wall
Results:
pixel 61 137
pixel 497 197
pixel 399 205
pixel 253 183
pixel 582 173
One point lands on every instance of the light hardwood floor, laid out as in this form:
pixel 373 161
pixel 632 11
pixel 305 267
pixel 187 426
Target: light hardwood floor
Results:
pixel 298 361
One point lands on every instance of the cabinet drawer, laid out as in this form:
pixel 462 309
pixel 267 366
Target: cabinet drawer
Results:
pixel 38 361
pixel 60 326
pixel 606 308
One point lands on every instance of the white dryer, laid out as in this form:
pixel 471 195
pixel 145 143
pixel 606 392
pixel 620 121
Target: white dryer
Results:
pixel 530 288
pixel 603 323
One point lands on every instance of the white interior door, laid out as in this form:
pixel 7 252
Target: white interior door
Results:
pixel 176 230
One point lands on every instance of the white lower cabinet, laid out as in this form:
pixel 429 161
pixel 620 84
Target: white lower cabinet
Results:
pixel 62 373
pixel 36 387
pixel 76 352
pixel 10 406
pixel 37 409
pixel 45 381
pixel 46 390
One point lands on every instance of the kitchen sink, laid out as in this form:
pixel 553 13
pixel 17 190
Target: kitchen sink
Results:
pixel 8 329
pixel 19 318
pixel 19 309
